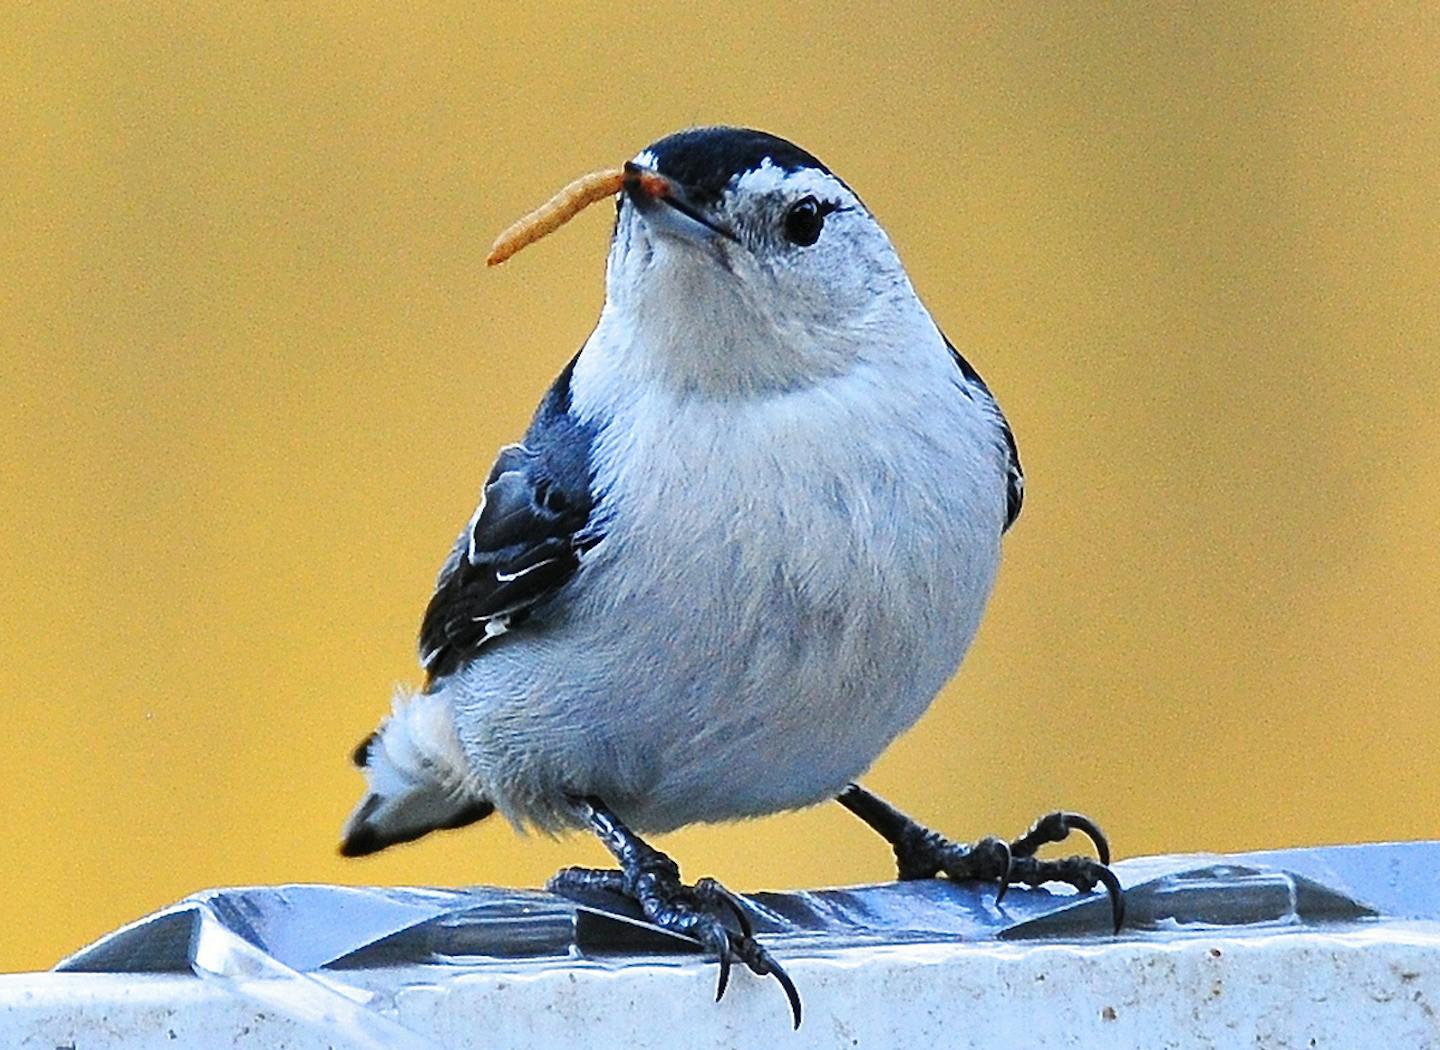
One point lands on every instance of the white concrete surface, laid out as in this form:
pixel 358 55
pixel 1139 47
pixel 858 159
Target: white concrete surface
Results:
pixel 1372 985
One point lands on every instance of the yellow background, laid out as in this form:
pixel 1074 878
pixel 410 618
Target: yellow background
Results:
pixel 254 370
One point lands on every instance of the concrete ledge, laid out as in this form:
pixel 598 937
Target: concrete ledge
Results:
pixel 1328 947
pixel 1375 987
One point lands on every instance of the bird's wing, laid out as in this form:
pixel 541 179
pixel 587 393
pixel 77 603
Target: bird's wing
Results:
pixel 1005 438
pixel 524 541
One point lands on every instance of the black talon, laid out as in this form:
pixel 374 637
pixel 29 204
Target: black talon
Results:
pixel 763 963
pixel 1117 895
pixel 1005 881
pixel 740 917
pixel 1087 827
pixel 1056 827
pixel 790 993
pixel 724 976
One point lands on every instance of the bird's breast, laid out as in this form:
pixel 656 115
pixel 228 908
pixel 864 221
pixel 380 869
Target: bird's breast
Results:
pixel 802 574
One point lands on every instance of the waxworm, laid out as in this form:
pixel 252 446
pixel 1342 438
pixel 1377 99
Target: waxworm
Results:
pixel 555 212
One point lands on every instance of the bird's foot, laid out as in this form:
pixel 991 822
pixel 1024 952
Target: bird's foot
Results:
pixel 652 880
pixel 921 853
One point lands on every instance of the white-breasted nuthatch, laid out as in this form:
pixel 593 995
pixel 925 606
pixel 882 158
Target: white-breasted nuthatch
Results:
pixel 746 539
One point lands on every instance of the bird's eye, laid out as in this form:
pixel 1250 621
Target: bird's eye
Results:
pixel 804 221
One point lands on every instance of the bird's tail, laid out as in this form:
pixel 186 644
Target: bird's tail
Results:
pixel 417 775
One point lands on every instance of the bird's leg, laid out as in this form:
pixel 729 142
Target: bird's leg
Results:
pixel 652 880
pixel 923 854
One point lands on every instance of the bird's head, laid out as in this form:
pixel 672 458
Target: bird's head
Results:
pixel 740 261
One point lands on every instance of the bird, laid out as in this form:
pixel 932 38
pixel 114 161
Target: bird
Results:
pixel 747 537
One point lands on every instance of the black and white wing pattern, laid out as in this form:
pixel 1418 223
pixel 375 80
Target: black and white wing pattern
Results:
pixel 1014 476
pixel 524 542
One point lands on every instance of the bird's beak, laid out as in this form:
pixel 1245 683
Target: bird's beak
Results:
pixel 665 206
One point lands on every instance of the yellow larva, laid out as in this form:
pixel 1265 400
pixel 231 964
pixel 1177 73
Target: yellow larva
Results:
pixel 556 212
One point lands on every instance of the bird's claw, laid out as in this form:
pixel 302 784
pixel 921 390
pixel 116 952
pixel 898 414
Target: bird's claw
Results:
pixel 696 912
pixel 1081 872
pixel 711 893
pixel 753 954
pixel 1084 873
pixel 922 853
pixel 1056 827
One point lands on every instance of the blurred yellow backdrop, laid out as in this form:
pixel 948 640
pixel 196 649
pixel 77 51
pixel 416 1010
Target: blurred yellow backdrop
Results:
pixel 254 370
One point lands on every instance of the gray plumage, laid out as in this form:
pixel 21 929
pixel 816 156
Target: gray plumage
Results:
pixel 748 537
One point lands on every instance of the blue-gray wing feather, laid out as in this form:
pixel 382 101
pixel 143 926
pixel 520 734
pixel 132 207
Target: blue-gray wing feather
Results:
pixel 524 543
